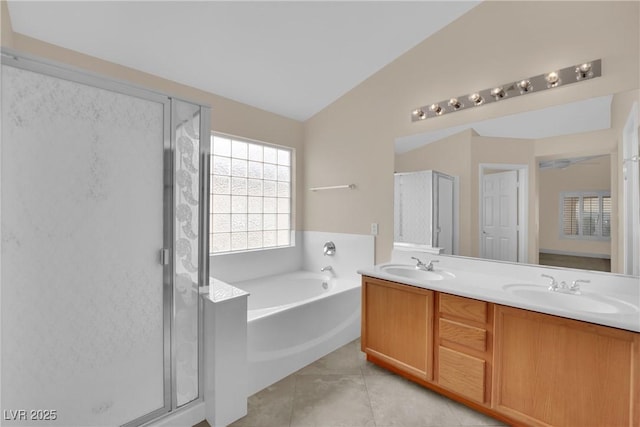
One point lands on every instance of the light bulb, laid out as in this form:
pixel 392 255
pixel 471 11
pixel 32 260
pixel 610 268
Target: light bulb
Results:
pixel 498 93
pixel 524 86
pixel 552 79
pixel 436 109
pixel 476 98
pixel 419 113
pixel 583 71
pixel 455 104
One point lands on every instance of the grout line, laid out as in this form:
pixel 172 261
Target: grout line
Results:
pixel 293 396
pixel 366 388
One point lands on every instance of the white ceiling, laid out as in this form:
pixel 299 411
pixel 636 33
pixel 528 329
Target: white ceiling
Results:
pixel 574 117
pixel 292 58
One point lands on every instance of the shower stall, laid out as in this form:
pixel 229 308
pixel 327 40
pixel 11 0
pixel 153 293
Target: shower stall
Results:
pixel 103 198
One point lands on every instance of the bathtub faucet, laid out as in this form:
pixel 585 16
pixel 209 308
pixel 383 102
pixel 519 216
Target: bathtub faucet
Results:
pixel 327 268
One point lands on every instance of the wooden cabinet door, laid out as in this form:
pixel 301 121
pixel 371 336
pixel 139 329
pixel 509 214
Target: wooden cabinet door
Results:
pixel 397 325
pixel 553 371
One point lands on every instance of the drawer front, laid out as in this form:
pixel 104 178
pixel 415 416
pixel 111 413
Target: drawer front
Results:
pixel 469 336
pixel 464 308
pixel 461 373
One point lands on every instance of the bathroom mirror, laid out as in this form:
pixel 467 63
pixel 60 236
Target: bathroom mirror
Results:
pixel 576 198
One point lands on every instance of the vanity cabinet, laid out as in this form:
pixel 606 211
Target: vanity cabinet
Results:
pixel 552 371
pixel 522 367
pixel 397 326
pixel 464 338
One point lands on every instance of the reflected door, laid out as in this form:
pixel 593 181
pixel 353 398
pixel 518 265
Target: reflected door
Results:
pixel 499 234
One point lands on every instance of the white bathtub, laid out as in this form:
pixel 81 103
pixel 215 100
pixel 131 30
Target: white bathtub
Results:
pixel 293 320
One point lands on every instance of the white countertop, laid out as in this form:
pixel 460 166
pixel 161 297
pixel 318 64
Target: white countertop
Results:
pixel 484 280
pixel 219 291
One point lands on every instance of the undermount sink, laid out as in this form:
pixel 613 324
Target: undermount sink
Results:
pixel 410 272
pixel 585 302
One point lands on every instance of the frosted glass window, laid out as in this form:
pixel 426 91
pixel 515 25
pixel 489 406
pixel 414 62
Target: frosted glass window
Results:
pixel 269 239
pixel 255 152
pixel 221 222
pixel 238 204
pixel 221 203
pixel 284 157
pixel 270 155
pixel 254 240
pixel 239 149
pixel 255 205
pixel 255 169
pixel 238 186
pixel 221 146
pixel 255 187
pixel 283 173
pixel 283 205
pixel 270 205
pixel 254 222
pixel 270 172
pixel 239 167
pixel 220 242
pixel 238 241
pixel 270 188
pixel 250 195
pixel 221 165
pixel 270 222
pixel 221 185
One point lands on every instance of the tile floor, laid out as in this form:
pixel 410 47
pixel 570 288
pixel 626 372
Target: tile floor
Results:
pixel 344 390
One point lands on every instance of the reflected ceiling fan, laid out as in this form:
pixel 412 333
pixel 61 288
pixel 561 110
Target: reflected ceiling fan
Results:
pixel 565 163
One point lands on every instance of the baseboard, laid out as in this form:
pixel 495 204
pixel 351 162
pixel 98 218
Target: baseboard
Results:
pixel 580 254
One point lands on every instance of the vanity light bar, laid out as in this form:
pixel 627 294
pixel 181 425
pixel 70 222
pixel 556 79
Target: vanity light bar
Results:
pixel 553 79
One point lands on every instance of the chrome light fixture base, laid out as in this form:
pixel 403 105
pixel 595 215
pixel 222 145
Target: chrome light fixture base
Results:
pixel 565 76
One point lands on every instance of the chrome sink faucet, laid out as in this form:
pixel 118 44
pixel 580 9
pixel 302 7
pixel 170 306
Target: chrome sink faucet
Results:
pixel 553 285
pixel 562 287
pixel 327 268
pixel 422 266
pixel 575 288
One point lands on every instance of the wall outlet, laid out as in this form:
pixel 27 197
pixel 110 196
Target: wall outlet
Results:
pixel 374 228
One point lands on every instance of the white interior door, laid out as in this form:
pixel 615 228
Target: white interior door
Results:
pixel 499 216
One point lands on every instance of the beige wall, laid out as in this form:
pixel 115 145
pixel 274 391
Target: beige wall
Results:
pixel 227 116
pixel 351 141
pixel 591 175
pixel 6 34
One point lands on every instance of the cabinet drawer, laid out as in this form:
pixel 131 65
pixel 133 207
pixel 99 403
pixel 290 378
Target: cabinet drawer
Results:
pixel 469 336
pixel 461 373
pixel 465 308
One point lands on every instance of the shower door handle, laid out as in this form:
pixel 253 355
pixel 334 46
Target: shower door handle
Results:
pixel 164 256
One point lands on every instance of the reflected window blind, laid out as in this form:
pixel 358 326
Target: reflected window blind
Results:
pixel 585 215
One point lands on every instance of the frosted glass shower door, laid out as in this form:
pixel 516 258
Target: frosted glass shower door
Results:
pixel 84 313
pixel 187 261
